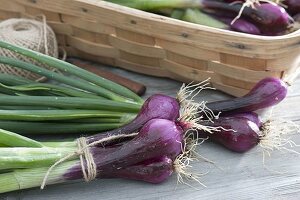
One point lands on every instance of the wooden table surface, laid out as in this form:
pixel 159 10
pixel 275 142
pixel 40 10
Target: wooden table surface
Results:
pixel 242 176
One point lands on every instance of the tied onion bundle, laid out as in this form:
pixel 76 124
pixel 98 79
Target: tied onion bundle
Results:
pixel 155 142
pixel 149 148
pixel 151 156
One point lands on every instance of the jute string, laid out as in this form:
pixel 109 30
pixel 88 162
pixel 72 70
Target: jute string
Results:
pixel 88 165
pixel 90 172
pixel 31 34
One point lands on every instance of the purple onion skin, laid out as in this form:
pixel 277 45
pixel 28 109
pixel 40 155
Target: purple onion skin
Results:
pixel 251 116
pixel 267 92
pixel 293 6
pixel 270 18
pixel 156 106
pixel 157 138
pixel 243 138
pixel 152 171
pixel 241 25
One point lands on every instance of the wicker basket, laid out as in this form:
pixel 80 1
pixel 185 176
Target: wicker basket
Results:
pixel 160 46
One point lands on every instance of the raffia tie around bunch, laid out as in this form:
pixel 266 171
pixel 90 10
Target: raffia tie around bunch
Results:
pixel 88 165
pixel 31 34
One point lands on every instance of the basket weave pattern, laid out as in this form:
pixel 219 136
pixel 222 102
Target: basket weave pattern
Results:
pixel 159 46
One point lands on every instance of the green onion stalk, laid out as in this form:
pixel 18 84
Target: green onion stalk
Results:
pixel 24 162
pixel 157 4
pixel 107 88
pixel 198 17
pixel 82 103
pixel 95 103
pixel 186 10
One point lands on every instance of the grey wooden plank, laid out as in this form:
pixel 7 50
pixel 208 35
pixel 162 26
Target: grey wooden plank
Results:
pixel 243 175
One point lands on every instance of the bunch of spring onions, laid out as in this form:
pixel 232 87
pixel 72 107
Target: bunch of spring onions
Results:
pixel 259 17
pixel 85 103
pixel 149 149
pixel 151 156
pixel 142 140
pixel 90 104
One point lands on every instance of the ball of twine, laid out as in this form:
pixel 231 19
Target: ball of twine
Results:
pixel 31 34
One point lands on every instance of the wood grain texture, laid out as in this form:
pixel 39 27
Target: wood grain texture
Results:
pixel 242 178
pixel 156 45
pixel 134 86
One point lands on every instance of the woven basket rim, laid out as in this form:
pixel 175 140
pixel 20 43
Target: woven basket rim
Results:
pixel 141 22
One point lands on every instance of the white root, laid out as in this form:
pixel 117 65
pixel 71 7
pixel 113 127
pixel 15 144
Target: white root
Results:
pixel 194 113
pixel 182 163
pixel 186 91
pixel 274 132
pixel 276 135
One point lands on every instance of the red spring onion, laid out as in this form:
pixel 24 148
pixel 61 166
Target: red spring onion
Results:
pixel 151 171
pixel 239 134
pixel 219 21
pixel 156 138
pixel 156 106
pixel 241 25
pixel 267 92
pixel 165 107
pixel 252 116
pixel 270 18
pixel 151 156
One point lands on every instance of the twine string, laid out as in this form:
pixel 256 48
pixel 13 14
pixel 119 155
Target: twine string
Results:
pixel 88 165
pixel 32 34
pixel 90 169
